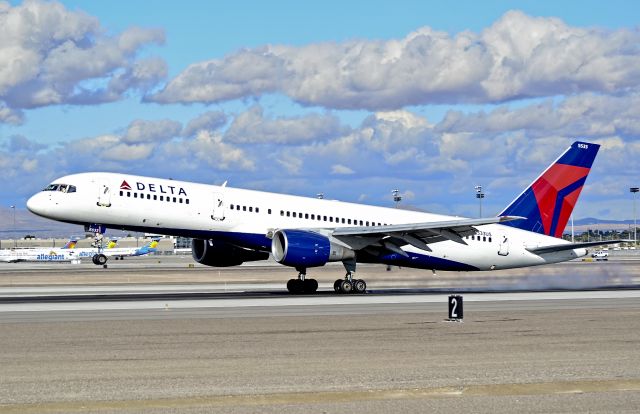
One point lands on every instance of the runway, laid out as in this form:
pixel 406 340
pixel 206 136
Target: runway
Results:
pixel 231 343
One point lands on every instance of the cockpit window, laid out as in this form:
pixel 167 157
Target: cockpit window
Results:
pixel 65 188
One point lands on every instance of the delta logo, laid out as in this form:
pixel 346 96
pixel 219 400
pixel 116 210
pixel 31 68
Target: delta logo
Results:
pixel 155 188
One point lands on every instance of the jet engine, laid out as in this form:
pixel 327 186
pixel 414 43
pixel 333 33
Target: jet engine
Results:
pixel 222 254
pixel 301 248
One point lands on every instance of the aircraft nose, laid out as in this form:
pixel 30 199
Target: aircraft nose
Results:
pixel 36 204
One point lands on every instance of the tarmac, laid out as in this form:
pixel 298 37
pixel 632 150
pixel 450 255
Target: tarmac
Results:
pixel 158 336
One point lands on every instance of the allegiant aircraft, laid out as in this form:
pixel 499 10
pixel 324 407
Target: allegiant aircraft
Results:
pixel 230 226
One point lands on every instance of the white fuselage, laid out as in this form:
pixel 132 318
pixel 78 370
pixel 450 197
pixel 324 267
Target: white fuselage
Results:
pixel 247 218
pixel 37 255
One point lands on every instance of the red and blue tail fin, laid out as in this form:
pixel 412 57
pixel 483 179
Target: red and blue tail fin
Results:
pixel 548 202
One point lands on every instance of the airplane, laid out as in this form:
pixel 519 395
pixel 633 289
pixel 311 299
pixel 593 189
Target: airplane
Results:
pixel 40 254
pixel 100 257
pixel 230 226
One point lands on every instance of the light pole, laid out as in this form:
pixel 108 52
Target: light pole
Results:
pixel 396 196
pixel 15 242
pixel 479 196
pixel 634 192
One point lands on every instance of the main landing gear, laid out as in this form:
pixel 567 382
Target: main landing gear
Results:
pixel 99 259
pixel 350 285
pixel 302 284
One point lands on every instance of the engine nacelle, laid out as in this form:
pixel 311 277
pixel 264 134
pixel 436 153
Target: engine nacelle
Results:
pixel 221 254
pixel 300 248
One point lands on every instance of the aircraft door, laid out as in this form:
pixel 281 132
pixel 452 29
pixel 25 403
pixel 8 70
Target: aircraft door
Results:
pixel 504 246
pixel 218 207
pixel 104 194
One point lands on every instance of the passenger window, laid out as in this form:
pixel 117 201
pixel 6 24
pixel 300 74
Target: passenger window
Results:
pixel 155 197
pixel 135 195
pixel 484 238
pixel 187 200
pixel 231 206
pixel 269 211
pixel 288 214
pixel 331 219
pixel 282 212
pixel 306 215
pixel 244 208
pixel 313 217
pixel 149 197
pixel 348 221
pixel 180 200
pixel 257 209
pixel 174 199
pixel 121 193
pixel 250 209
pixel 161 198
pixel 294 214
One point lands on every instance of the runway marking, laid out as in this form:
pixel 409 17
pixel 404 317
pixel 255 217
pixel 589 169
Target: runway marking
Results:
pixel 332 397
pixel 310 301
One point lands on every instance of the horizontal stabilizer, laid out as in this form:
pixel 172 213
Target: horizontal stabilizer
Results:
pixel 571 246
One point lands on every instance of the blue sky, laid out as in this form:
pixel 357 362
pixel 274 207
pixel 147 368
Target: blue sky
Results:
pixel 352 99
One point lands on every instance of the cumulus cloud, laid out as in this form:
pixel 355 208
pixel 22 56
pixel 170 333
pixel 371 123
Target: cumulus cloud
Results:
pixel 10 116
pixel 20 143
pixel 209 121
pixel 341 169
pixel 518 56
pixel 214 151
pixel 50 55
pixel 251 126
pixel 141 131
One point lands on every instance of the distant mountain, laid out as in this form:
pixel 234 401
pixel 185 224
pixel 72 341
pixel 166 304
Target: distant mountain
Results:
pixel 592 220
pixel 27 223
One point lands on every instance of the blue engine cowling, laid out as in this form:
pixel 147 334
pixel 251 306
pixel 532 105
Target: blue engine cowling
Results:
pixel 300 248
pixel 220 254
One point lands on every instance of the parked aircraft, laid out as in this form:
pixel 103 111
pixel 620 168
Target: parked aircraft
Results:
pixel 40 254
pixel 230 226
pixel 100 257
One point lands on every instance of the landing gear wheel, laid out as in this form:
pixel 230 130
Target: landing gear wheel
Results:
pixel 336 285
pixel 100 259
pixel 310 285
pixel 294 286
pixel 359 286
pixel 346 286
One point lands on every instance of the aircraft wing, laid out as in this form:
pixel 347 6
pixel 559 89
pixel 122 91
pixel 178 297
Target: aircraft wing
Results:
pixel 419 235
pixel 571 246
